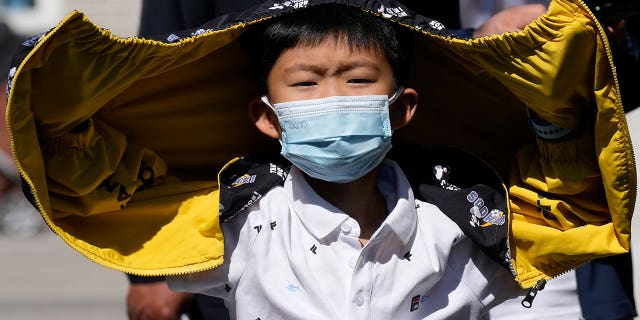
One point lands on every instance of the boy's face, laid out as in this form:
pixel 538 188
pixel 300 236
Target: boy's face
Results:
pixel 330 68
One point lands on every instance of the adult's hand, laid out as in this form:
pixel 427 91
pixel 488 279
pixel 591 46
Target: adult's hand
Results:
pixel 510 19
pixel 155 301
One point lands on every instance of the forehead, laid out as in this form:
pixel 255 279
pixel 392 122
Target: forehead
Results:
pixel 330 50
pixel 340 38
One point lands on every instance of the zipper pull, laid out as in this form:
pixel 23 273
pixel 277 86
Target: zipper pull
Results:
pixel 527 302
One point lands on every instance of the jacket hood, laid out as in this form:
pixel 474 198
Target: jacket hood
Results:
pixel 119 141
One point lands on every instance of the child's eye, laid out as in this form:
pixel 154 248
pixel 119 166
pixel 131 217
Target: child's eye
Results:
pixel 305 84
pixel 359 81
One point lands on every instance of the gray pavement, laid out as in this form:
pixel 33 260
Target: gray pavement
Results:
pixel 42 278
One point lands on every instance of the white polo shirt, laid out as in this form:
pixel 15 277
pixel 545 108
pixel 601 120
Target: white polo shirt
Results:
pixel 295 256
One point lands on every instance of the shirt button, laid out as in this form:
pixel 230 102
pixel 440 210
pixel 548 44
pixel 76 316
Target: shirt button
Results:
pixel 346 228
pixel 359 300
pixel 352 263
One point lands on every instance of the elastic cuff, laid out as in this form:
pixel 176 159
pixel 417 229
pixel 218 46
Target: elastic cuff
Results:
pixel 545 129
pixel 144 279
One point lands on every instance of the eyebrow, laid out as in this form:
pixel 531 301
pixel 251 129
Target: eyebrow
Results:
pixel 341 68
pixel 304 67
pixel 358 64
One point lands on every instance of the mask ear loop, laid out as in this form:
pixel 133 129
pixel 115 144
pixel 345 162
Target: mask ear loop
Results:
pixel 395 95
pixel 266 101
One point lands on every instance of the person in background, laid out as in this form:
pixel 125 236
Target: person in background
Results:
pixel 164 16
pixel 17 217
pixel 473 19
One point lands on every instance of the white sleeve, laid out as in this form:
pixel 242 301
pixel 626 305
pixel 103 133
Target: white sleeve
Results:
pixel 491 283
pixel 220 281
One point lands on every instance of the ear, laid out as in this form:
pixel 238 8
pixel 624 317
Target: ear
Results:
pixel 402 111
pixel 264 118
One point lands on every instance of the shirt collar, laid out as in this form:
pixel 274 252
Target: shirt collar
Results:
pixel 321 218
pixel 401 204
pixel 317 215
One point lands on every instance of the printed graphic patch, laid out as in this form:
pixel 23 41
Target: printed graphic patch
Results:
pixel 278 171
pixel 173 38
pixel 296 4
pixel 292 287
pixel 481 215
pixel 389 12
pixel 441 173
pixel 416 301
pixel 33 40
pixel 246 179
pixel 200 31
pixel 12 73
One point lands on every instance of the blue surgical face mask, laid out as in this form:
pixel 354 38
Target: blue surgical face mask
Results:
pixel 336 139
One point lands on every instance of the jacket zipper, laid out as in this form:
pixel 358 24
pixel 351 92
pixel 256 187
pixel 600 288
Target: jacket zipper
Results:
pixel 623 118
pixel 527 302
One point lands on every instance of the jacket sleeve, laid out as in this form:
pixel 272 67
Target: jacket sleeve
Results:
pixel 572 188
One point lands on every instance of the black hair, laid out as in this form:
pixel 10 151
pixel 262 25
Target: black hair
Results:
pixel 316 24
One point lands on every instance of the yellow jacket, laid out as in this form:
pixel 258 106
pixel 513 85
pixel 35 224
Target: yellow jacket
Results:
pixel 119 140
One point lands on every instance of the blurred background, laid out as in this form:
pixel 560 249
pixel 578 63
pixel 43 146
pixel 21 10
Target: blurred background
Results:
pixel 40 277
pixel 28 17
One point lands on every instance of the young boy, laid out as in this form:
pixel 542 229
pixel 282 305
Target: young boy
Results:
pixel 343 237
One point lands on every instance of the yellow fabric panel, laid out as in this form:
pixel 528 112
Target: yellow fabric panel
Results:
pixel 68 169
pixel 174 216
pixel 546 259
pixel 108 65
